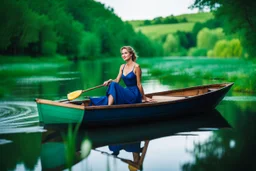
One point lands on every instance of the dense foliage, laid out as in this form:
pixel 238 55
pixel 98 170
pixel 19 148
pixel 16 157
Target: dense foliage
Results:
pixel 164 20
pixel 239 17
pixel 75 28
pixel 205 39
pixel 195 43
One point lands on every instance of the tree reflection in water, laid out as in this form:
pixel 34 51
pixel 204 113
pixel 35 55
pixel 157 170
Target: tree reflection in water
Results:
pixel 228 149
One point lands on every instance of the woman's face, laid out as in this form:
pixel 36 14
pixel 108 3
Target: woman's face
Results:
pixel 126 55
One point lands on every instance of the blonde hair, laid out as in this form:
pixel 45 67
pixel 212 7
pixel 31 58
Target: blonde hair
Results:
pixel 131 51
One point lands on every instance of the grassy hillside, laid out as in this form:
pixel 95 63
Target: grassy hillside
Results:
pixel 156 31
pixel 192 18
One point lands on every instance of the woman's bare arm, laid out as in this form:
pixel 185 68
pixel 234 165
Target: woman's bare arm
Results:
pixel 138 74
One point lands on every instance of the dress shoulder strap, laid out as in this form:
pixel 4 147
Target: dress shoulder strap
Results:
pixel 133 67
pixel 123 67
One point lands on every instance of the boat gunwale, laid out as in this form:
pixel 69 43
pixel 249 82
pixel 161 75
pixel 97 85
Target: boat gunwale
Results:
pixel 56 103
pixel 136 105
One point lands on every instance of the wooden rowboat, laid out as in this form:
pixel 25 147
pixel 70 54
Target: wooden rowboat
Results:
pixel 166 104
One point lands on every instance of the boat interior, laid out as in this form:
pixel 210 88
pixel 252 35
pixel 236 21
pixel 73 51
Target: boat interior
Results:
pixel 171 95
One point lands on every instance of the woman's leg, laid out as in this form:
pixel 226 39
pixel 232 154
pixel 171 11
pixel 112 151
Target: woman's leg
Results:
pixel 110 99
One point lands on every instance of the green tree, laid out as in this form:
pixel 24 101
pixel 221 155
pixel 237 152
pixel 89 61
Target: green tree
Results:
pixel 186 39
pixel 157 20
pixel 171 45
pixel 240 17
pixel 169 20
pixel 69 31
pixel 225 48
pixel 210 24
pixel 19 26
pixel 147 22
pixel 90 46
pixel 207 38
pixel 236 47
pixel 67 27
pixel 48 40
pixel 222 49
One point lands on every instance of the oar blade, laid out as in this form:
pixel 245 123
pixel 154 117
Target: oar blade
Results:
pixel 75 94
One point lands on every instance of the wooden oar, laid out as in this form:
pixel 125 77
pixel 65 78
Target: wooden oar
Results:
pixel 75 94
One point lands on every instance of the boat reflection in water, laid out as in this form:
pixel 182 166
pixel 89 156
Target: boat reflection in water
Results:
pixel 127 138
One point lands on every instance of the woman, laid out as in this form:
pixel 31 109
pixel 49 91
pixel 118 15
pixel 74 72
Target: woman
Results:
pixel 131 75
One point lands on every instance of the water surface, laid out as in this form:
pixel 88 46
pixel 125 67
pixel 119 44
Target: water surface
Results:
pixel 223 139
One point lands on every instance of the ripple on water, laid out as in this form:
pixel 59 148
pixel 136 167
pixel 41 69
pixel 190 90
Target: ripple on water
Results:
pixel 4 141
pixel 36 79
pixel 19 117
pixel 240 98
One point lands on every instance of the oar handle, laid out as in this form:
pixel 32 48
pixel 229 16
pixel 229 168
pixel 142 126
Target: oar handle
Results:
pixel 89 89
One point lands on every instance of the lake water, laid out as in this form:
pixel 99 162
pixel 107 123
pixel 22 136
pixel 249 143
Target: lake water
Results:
pixel 223 139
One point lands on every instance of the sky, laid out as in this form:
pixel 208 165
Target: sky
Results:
pixel 148 9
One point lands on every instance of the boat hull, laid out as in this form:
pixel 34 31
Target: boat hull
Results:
pixel 154 112
pixel 62 113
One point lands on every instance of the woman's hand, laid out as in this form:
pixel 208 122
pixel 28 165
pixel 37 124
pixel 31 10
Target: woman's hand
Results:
pixel 147 99
pixel 106 83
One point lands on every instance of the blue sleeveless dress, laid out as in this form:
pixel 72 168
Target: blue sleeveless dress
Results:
pixel 128 95
pixel 131 147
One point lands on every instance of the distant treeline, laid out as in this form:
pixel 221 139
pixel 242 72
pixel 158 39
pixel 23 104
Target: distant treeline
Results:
pixel 238 16
pixel 164 20
pixel 75 28
pixel 205 39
